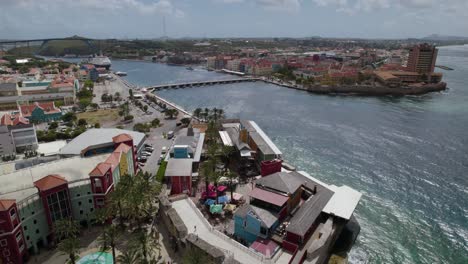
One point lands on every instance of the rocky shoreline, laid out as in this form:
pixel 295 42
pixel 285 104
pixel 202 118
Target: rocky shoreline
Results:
pixel 368 90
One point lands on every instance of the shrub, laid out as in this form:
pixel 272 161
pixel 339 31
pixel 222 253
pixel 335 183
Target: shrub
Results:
pixel 82 122
pixel 53 125
pixel 161 172
pixel 128 117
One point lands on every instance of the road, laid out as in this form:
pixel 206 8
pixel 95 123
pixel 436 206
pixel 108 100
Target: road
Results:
pixel 155 136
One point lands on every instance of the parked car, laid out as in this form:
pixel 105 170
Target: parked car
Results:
pixel 149 149
pixel 164 150
pixel 226 181
pixel 170 134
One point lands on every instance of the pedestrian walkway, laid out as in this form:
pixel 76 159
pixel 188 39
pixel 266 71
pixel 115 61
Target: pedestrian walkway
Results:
pixel 193 221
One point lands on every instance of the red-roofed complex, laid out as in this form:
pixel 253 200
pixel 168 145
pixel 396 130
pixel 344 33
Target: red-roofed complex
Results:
pixel 12 243
pixel 41 112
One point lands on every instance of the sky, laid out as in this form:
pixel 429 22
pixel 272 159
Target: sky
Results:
pixel 30 19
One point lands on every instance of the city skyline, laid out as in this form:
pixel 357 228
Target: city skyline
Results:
pixel 232 18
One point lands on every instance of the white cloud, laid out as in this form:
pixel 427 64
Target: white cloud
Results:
pixel 139 6
pixel 278 5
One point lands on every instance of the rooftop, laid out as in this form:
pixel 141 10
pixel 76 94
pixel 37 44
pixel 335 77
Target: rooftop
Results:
pixel 270 197
pixel 280 181
pixel 98 137
pixel 20 184
pixel 179 167
pixel 49 182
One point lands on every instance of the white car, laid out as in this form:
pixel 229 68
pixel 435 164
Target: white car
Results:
pixel 226 181
pixel 164 150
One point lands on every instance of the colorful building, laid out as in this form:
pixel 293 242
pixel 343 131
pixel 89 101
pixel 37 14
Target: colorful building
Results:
pixel 66 188
pixel 41 112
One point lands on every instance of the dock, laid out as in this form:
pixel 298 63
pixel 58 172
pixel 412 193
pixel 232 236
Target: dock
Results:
pixel 444 67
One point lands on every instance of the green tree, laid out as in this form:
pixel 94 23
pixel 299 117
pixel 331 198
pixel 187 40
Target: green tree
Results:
pixel 82 122
pixel 108 240
pixel 129 256
pixel 66 228
pixel 70 247
pixel 185 121
pixel 195 256
pixel 231 176
pixel 69 117
pixel 88 84
pixel 145 108
pixel 97 125
pixel 171 113
pixel 53 125
pixel 197 112
pixel 155 122
pixel 130 92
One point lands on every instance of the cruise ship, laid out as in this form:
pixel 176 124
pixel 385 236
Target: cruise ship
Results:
pixel 99 61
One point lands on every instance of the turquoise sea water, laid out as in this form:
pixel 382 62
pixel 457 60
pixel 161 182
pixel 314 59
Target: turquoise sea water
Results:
pixel 408 156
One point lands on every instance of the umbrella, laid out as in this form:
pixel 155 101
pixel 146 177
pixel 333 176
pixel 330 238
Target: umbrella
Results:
pixel 223 199
pixel 216 208
pixel 236 196
pixel 230 207
pixel 209 202
pixel 222 188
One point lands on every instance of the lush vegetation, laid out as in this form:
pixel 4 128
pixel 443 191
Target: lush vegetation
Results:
pixel 161 171
pixel 209 115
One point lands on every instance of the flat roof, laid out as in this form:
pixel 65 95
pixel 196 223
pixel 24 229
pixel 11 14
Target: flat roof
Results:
pixel 343 202
pixel 225 138
pixel 20 184
pixel 51 148
pixel 266 139
pixel 97 137
pixel 179 167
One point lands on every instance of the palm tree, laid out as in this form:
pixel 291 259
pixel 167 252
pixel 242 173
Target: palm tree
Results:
pixel 220 113
pixel 108 240
pixel 65 228
pixel 231 175
pixel 148 245
pixel 215 114
pixel 207 171
pixel 226 152
pixel 129 256
pixel 69 247
pixel 197 112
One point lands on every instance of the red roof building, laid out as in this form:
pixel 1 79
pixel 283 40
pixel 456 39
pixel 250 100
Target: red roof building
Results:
pixel 50 182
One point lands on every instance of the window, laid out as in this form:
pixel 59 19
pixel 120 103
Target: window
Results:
pixel 3 242
pixel 13 214
pixel 79 203
pixel 32 213
pixel 90 201
pixel 78 195
pixel 59 205
pixel 37 231
pixel 35 221
pixel 81 212
pixel 245 223
pixel 27 237
pixel 18 236
pixel 25 228
pixel 21 246
pixel 91 209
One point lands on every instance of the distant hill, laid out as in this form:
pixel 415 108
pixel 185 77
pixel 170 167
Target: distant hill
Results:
pixel 444 37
